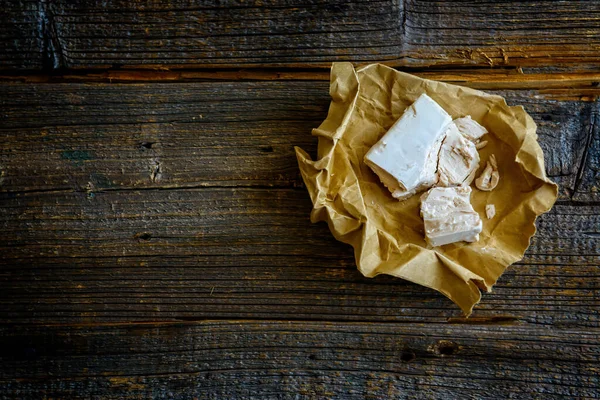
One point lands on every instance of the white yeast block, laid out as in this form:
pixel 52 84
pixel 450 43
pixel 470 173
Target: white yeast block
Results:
pixel 405 158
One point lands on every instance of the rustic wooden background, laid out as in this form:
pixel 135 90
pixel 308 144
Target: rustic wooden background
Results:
pixel 155 239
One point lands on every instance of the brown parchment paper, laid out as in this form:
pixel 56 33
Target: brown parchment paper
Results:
pixel 388 235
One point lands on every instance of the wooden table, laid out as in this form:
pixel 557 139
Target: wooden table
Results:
pixel 155 233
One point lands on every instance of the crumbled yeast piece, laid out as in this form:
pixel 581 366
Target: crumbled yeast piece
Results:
pixel 470 129
pixel 449 216
pixel 406 157
pixel 458 159
pixel 490 211
pixel 490 176
pixel 481 144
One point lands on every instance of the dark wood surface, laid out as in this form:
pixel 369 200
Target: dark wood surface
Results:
pixel 230 34
pixel 275 359
pixel 154 231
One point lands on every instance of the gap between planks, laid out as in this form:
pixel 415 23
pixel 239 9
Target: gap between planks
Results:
pixel 192 321
pixel 587 84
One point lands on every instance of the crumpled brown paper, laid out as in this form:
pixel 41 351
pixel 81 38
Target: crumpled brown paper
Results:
pixel 388 235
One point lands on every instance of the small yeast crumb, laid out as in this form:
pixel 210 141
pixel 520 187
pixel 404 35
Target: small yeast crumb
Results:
pixel 490 211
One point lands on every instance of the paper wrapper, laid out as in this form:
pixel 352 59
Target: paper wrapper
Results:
pixel 387 234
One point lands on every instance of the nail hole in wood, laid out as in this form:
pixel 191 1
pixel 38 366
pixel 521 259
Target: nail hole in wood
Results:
pixel 266 149
pixel 445 348
pixel 408 355
pixel 143 236
pixel 146 145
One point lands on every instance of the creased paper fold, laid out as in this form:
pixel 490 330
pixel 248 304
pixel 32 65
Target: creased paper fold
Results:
pixel 387 235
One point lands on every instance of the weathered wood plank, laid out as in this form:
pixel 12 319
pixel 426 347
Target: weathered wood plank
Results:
pixel 203 33
pixel 144 136
pixel 234 359
pixel 22 28
pixel 251 253
pixel 200 221
pixel 109 136
pixel 507 33
pixel 267 287
pixel 588 177
pixel 414 33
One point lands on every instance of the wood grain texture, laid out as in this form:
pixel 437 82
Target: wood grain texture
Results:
pixel 92 137
pixel 154 230
pixel 246 359
pixel 261 287
pixel 504 33
pixel 146 136
pixel 23 30
pixel 412 33
pixel 251 253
